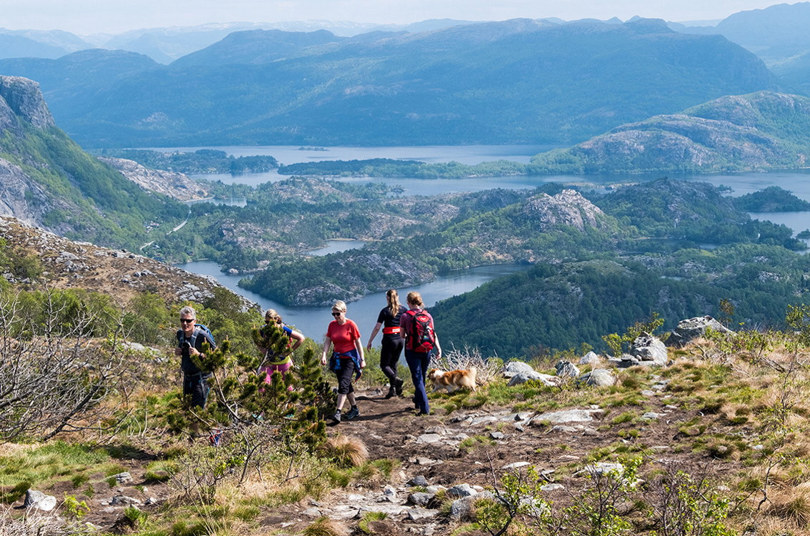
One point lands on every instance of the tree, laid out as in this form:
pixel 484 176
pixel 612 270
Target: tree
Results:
pixel 52 373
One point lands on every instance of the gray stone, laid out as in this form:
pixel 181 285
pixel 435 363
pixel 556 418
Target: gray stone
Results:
pixel 551 487
pixel 693 328
pixel 515 465
pixel 569 415
pixel 461 509
pixel 420 498
pixel 598 378
pixel 523 377
pixel 123 500
pixel 36 500
pixel 649 350
pixel 513 368
pixel 497 435
pixel 123 478
pixel 566 369
pixel 418 480
pixel 417 514
pixel 428 438
pixel 591 358
pixel 461 490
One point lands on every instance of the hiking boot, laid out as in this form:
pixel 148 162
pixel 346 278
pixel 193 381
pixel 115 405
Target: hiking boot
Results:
pixel 354 412
pixel 336 416
pixel 398 386
pixel 391 392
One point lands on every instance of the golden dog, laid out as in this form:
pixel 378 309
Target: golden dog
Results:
pixel 452 380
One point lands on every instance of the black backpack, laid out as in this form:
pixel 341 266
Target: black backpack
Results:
pixel 422 338
pixel 198 329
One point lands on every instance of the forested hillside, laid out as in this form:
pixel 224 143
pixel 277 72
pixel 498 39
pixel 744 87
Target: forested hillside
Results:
pixel 47 179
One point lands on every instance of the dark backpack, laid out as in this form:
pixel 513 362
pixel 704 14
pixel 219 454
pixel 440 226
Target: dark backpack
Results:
pixel 421 337
pixel 198 328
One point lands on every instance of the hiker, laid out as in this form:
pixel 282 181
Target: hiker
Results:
pixel 416 327
pixel 347 358
pixel 392 343
pixel 283 362
pixel 190 339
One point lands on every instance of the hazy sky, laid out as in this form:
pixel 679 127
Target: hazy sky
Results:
pixel 111 16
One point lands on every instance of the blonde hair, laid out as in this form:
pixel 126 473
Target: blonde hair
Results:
pixel 393 301
pixel 271 314
pixel 415 298
pixel 339 305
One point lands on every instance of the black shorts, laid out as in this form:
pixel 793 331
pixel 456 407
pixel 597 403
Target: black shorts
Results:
pixel 344 376
pixel 196 386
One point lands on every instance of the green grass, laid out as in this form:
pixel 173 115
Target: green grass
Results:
pixel 57 460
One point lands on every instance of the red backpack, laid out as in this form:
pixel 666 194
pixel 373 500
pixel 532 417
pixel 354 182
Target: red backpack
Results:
pixel 421 338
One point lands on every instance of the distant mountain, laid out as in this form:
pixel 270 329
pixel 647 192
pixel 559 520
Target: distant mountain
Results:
pixel 48 181
pixel 38 44
pixel 777 34
pixel 256 47
pixel 754 132
pixel 518 81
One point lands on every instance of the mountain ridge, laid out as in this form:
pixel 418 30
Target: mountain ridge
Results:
pixel 476 83
pixel 754 132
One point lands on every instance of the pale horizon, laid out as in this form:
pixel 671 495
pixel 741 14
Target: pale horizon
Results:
pixel 89 17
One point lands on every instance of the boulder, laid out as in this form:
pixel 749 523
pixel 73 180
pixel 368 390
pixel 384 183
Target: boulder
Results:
pixel 591 358
pixel 566 369
pixel 598 377
pixel 36 500
pixel 513 368
pixel 523 377
pixel 649 350
pixel 693 328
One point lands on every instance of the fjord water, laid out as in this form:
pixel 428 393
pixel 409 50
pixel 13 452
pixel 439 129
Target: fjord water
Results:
pixel 313 321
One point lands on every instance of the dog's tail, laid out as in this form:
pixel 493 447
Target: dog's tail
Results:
pixel 473 373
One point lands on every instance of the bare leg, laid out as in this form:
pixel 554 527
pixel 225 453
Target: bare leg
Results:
pixel 341 399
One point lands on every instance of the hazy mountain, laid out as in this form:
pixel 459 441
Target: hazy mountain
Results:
pixel 256 47
pixel 519 81
pixel 38 44
pixel 777 34
pixel 754 132
pixel 48 181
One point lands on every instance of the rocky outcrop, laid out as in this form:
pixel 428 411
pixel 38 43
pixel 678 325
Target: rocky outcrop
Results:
pixel 692 328
pixel 119 273
pixel 176 185
pixel 22 97
pixel 566 208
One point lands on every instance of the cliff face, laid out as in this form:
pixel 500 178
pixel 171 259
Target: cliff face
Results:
pixel 21 103
pixel 21 100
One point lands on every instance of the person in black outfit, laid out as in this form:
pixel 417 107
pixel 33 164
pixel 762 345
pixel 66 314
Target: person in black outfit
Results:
pixel 190 339
pixel 392 343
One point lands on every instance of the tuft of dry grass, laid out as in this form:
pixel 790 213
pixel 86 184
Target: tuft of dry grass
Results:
pixel 791 505
pixel 324 526
pixel 348 451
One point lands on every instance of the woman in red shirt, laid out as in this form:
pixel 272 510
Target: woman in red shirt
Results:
pixel 347 358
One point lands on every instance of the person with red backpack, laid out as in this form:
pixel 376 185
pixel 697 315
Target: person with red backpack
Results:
pixel 416 327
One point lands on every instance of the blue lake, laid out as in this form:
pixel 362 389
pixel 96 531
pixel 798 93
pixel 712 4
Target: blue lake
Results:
pixel 313 321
